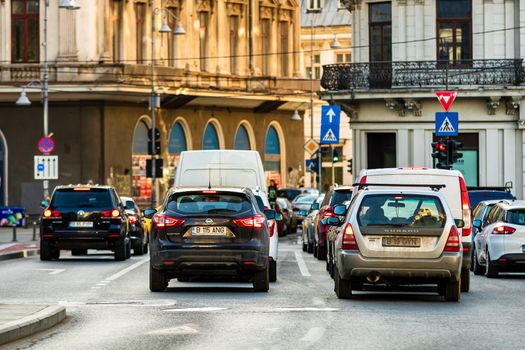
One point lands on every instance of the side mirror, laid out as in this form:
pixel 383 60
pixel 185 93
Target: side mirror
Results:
pixel 476 224
pixel 315 206
pixel 460 223
pixel 333 221
pixel 44 204
pixel 270 214
pixel 149 212
pixel 340 210
pixel 279 217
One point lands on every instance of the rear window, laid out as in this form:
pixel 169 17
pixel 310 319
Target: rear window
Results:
pixel 290 194
pixel 401 210
pixel 340 196
pixel 478 196
pixel 516 217
pixel 302 199
pixel 85 198
pixel 260 203
pixel 209 203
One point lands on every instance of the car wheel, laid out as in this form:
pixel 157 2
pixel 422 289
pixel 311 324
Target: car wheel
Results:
pixel 78 252
pixel 145 250
pixel 121 251
pixel 138 247
pixel 46 252
pixel 157 280
pixel 342 287
pixel 310 248
pixel 476 267
pixel 273 270
pixel 315 250
pixel 321 253
pixel 128 249
pixel 491 271
pixel 452 290
pixel 55 254
pixel 465 280
pixel 305 247
pixel 261 280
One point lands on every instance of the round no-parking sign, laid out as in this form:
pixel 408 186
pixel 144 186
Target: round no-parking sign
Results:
pixel 46 145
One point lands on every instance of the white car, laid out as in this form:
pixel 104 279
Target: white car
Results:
pixel 500 245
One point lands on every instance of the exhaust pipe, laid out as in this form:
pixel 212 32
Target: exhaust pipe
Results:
pixel 373 277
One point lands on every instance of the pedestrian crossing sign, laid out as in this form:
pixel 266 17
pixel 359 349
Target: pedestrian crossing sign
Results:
pixel 447 123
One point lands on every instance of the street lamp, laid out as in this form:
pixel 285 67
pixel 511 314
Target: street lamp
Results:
pixel 335 44
pixel 154 101
pixel 23 100
pixel 295 117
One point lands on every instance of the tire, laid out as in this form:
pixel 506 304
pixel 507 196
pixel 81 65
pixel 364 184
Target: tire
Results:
pixel 157 280
pixel 491 271
pixel 342 288
pixel 128 249
pixel 476 267
pixel 465 280
pixel 146 248
pixel 121 252
pixel 315 250
pixel 452 291
pixel 310 247
pixel 305 247
pixel 273 270
pixel 46 252
pixel 321 253
pixel 138 247
pixel 78 252
pixel 261 280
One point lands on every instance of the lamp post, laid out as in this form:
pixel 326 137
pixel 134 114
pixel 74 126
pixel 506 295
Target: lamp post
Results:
pixel 154 100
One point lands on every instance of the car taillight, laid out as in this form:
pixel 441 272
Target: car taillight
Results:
pixel 453 241
pixel 52 214
pixel 465 208
pixel 271 225
pixel 253 221
pixel 132 219
pixel 503 230
pixel 349 242
pixel 294 207
pixel 362 180
pixel 162 221
pixel 115 213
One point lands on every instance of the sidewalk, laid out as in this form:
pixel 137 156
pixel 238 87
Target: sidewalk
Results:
pixel 23 247
pixel 19 321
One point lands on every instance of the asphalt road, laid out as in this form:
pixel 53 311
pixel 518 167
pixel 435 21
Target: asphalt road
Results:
pixel 109 306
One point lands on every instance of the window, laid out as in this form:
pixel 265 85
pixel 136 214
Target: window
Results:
pixel 341 5
pixel 316 65
pixel 140 15
pixel 234 43
pixel 25 31
pixel 117 10
pixel 266 45
pixel 284 49
pixel 203 40
pixel 211 138
pixel 343 57
pixel 380 32
pixel 242 140
pixel 454 26
pixel 314 5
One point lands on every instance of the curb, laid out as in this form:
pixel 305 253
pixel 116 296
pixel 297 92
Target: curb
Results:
pixel 37 322
pixel 19 254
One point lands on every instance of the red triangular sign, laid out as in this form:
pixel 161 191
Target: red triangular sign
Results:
pixel 446 98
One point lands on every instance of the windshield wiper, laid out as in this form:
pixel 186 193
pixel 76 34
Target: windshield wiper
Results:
pixel 220 210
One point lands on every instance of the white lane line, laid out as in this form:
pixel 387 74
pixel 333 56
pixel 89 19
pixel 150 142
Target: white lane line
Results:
pixel 313 335
pixel 300 309
pixel 52 271
pixel 96 287
pixel 179 330
pixel 197 309
pixel 301 264
pixel 127 269
pixel 318 301
pixel 101 284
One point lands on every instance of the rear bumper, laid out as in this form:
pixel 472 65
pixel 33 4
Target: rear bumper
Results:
pixel 83 240
pixel 447 266
pixel 511 262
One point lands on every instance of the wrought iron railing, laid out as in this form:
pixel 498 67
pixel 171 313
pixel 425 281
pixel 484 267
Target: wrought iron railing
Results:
pixel 414 74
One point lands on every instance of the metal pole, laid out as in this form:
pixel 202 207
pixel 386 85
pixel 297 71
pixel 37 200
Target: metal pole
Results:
pixel 152 104
pixel 34 231
pixel 333 174
pixel 14 233
pixel 45 90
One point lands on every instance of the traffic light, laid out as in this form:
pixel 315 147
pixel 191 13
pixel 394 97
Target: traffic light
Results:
pixel 158 168
pixel 156 142
pixel 335 156
pixel 350 163
pixel 452 149
pixel 439 152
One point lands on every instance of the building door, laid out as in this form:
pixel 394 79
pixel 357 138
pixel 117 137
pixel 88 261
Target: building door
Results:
pixel 380 41
pixel 381 150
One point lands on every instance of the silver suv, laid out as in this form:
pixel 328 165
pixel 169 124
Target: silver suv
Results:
pixel 397 237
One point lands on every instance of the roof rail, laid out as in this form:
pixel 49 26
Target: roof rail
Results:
pixel 433 187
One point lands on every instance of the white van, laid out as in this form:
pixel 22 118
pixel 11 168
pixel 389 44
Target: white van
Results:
pixel 455 192
pixel 228 168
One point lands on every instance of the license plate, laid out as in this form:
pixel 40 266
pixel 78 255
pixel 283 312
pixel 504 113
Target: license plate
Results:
pixel 401 242
pixel 81 224
pixel 209 230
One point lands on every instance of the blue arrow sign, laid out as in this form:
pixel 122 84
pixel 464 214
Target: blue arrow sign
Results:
pixel 330 122
pixel 447 123
pixel 40 167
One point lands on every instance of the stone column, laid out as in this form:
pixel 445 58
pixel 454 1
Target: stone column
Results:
pixel 296 22
pixel 67 50
pixel 105 16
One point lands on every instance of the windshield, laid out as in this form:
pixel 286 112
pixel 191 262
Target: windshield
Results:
pixel 516 217
pixel 401 210
pixel 90 198
pixel 208 203
pixel 305 199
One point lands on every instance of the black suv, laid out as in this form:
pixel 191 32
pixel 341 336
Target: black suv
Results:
pixel 203 232
pixel 79 218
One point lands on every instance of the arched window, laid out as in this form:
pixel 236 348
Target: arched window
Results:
pixel 272 156
pixel 242 140
pixel 140 138
pixel 141 184
pixel 177 140
pixel 211 138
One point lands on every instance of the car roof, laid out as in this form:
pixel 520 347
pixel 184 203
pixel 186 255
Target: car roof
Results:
pixel 343 188
pixel 126 198
pixel 218 189
pixel 367 191
pixel 413 171
pixel 60 187
pixel 508 205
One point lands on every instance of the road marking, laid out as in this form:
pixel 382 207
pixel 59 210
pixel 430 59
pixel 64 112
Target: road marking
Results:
pixel 313 335
pixel 101 284
pixel 301 264
pixel 197 309
pixel 96 287
pixel 318 301
pixel 127 269
pixel 300 309
pixel 52 271
pixel 180 330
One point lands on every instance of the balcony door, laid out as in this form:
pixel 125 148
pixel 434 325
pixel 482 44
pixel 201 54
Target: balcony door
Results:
pixel 380 43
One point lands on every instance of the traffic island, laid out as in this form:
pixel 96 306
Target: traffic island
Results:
pixel 18 321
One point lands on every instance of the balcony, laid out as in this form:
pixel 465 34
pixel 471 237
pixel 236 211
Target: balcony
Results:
pixel 422 74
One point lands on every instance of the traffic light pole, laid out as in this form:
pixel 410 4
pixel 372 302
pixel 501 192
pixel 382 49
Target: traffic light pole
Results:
pixel 333 175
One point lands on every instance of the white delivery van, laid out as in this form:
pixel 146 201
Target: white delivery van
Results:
pixel 455 192
pixel 228 168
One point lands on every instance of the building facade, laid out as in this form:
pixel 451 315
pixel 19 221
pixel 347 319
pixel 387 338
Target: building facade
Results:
pixel 326 38
pixel 229 80
pixel 404 51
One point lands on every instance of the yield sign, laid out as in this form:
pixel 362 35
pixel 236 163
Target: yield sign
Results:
pixel 446 98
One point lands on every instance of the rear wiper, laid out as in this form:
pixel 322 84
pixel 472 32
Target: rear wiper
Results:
pixel 219 210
